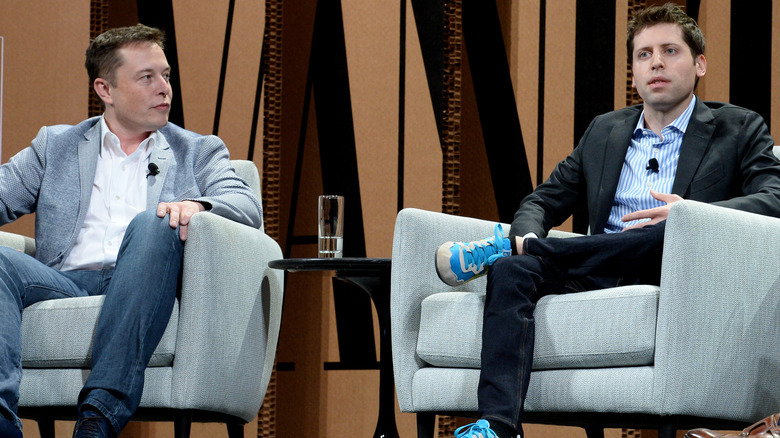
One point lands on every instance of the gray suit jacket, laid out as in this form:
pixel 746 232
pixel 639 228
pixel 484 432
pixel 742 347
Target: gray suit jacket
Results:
pixel 726 159
pixel 54 176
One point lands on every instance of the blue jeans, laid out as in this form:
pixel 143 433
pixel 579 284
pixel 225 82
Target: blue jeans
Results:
pixel 140 293
pixel 551 266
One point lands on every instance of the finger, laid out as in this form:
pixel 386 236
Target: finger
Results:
pixel 666 198
pixel 183 232
pixel 174 213
pixel 639 225
pixel 643 224
pixel 641 214
pixel 162 209
pixel 186 214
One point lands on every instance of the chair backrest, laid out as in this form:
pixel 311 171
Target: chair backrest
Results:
pixel 249 173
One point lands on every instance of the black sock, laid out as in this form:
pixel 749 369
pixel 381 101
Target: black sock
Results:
pixel 503 430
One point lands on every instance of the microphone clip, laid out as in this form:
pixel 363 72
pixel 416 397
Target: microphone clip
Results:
pixel 153 170
pixel 652 165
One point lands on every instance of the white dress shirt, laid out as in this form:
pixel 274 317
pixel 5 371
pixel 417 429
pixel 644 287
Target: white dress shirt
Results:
pixel 118 194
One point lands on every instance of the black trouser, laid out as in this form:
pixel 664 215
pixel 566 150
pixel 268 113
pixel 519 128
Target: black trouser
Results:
pixel 550 266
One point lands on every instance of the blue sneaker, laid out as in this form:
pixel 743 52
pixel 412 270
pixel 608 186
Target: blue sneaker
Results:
pixel 460 262
pixel 480 429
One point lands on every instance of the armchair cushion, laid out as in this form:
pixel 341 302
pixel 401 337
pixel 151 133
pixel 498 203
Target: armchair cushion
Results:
pixel 59 333
pixel 619 329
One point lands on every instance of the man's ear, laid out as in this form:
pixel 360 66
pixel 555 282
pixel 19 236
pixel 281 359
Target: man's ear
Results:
pixel 103 90
pixel 701 66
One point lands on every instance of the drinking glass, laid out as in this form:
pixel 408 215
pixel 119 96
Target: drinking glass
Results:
pixel 331 226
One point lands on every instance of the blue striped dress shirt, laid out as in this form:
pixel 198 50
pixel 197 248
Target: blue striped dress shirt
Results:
pixel 636 180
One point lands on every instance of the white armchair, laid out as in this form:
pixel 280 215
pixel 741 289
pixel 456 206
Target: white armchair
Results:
pixel 703 349
pixel 215 359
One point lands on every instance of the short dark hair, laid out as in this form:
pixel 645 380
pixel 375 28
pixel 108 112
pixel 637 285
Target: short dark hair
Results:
pixel 668 13
pixel 102 57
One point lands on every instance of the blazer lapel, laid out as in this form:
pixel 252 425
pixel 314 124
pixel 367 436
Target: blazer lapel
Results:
pixel 88 151
pixel 162 156
pixel 695 143
pixel 615 155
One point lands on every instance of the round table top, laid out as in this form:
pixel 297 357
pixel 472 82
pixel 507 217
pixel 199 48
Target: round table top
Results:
pixel 353 264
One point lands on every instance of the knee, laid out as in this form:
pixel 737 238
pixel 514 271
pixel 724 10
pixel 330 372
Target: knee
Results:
pixel 147 225
pixel 10 256
pixel 6 252
pixel 513 274
pixel 509 266
pixel 501 271
pixel 10 282
pixel 148 221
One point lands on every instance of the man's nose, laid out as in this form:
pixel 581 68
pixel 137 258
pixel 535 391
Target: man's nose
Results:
pixel 658 61
pixel 163 86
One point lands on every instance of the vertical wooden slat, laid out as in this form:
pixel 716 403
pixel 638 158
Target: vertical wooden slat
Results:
pixel 451 135
pixel 272 141
pixel 446 427
pixel 632 97
pixel 98 23
pixel 451 131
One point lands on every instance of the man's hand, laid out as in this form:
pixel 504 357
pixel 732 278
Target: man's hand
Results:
pixel 180 213
pixel 656 214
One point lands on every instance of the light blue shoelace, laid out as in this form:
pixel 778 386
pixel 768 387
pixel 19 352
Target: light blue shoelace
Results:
pixel 499 245
pixel 482 254
pixel 475 429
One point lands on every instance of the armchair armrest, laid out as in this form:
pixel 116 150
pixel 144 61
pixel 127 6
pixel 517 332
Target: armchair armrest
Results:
pixel 417 235
pixel 717 338
pixel 230 313
pixel 413 278
pixel 19 242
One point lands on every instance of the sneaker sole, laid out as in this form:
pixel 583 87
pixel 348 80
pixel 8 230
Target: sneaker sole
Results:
pixel 441 259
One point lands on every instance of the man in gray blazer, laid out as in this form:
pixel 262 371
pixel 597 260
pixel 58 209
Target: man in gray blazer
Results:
pixel 630 166
pixel 113 197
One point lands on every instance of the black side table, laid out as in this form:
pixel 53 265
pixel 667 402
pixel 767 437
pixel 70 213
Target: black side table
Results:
pixel 373 276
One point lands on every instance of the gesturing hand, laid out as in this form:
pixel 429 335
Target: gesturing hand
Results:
pixel 656 214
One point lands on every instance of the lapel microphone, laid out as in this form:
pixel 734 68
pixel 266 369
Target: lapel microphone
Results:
pixel 652 165
pixel 154 170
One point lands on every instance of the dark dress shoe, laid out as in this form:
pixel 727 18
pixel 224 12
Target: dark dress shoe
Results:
pixel 766 428
pixel 92 424
pixel 8 430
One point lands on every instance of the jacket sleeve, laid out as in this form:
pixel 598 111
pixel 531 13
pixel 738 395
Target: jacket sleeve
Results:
pixel 20 180
pixel 226 194
pixel 555 200
pixel 759 169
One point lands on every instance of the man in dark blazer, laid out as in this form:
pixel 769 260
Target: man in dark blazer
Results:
pixel 113 197
pixel 630 166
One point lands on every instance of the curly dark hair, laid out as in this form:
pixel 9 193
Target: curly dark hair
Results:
pixel 668 13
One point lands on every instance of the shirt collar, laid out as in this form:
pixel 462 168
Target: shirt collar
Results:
pixel 109 140
pixel 680 123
